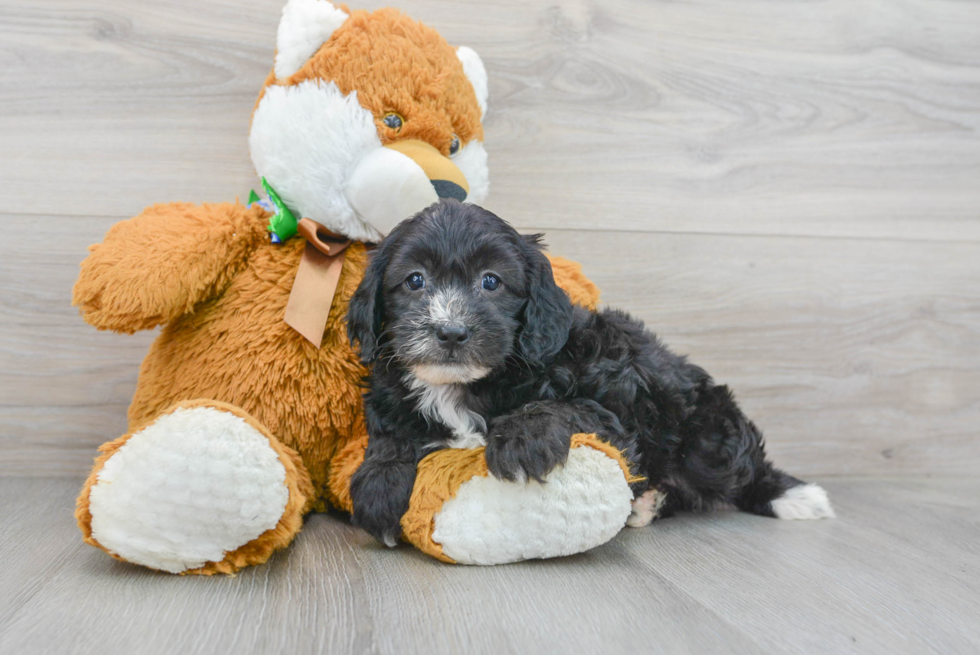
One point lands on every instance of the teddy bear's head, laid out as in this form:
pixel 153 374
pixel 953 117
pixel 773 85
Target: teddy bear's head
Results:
pixel 368 118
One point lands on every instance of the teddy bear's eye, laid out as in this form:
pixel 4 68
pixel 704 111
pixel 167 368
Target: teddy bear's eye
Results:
pixel 454 145
pixel 393 120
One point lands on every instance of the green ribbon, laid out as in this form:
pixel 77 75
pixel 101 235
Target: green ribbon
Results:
pixel 283 223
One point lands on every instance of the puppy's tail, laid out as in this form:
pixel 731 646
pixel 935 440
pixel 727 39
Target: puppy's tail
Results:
pixel 777 494
pixel 724 459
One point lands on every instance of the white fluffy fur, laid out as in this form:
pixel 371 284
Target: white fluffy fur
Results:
pixel 187 489
pixel 305 26
pixel 472 161
pixel 306 139
pixel 476 72
pixel 472 158
pixel 447 306
pixel 806 501
pixel 582 505
pixel 320 149
pixel 437 374
pixel 387 187
pixel 439 398
pixel 646 508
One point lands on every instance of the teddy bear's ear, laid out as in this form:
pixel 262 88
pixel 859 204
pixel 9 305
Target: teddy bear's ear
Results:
pixel 305 26
pixel 477 74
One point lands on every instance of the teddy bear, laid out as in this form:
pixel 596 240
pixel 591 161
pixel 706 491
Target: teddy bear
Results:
pixel 247 413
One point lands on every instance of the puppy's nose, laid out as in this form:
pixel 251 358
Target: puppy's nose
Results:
pixel 452 334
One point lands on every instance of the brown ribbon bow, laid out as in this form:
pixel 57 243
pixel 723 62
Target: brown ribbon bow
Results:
pixel 316 280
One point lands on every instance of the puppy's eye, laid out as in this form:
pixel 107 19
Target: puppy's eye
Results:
pixel 393 120
pixel 415 281
pixel 454 146
pixel 491 282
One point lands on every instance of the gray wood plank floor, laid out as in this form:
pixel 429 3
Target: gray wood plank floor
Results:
pixel 897 572
pixel 788 192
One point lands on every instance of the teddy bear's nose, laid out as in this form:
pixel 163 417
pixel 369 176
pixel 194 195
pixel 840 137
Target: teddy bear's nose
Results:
pixel 448 189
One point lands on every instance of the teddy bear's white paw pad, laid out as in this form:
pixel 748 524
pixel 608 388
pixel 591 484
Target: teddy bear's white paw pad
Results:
pixel 184 491
pixel 580 506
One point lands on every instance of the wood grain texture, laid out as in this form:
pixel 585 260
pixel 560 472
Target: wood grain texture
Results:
pixel 855 357
pixel 821 118
pixel 897 572
pixel 852 356
pixel 786 191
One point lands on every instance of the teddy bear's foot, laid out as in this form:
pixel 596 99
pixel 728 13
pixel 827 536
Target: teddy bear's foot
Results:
pixel 462 514
pixel 203 489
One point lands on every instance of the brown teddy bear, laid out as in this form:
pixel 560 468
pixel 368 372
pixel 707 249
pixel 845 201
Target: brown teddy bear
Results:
pixel 247 414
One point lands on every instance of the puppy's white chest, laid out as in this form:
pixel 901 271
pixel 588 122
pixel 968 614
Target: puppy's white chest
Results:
pixel 444 403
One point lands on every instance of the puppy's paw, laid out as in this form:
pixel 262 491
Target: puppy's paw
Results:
pixel 527 444
pixel 646 508
pixel 380 495
pixel 386 529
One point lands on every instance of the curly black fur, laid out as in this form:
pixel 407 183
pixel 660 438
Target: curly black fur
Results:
pixel 525 371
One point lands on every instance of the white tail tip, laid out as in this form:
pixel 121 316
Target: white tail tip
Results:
pixel 805 502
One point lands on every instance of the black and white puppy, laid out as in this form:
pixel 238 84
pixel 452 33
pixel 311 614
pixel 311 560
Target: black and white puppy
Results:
pixel 472 343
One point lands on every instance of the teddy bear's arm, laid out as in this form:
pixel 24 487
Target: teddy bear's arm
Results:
pixel 569 277
pixel 157 266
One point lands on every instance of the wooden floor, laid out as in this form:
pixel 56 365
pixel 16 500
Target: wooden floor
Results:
pixel 787 191
pixel 897 572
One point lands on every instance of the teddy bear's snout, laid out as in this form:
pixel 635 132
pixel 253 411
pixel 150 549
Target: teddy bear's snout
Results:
pixel 401 178
pixel 445 176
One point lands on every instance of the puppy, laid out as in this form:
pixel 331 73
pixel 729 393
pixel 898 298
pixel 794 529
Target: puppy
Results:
pixel 472 344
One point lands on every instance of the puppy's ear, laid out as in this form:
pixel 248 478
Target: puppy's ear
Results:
pixel 365 313
pixel 548 313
